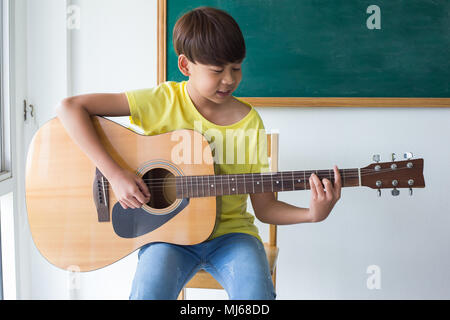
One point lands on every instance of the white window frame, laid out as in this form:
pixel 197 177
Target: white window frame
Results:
pixel 7 144
pixel 5 141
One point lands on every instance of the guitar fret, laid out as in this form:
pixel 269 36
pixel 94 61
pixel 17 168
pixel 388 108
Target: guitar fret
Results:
pixel 304 179
pixel 203 186
pixel 216 183
pixel 258 182
pixel 262 182
pixel 196 182
pixel 188 193
pixel 181 185
pixel 293 184
pixel 245 188
pixel 187 184
pixel 229 188
pixel 209 189
pixel 253 182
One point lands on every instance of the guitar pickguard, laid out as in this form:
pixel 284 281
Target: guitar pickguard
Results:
pixel 132 223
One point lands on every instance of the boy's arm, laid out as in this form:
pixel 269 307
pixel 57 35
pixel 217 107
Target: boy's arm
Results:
pixel 74 113
pixel 270 210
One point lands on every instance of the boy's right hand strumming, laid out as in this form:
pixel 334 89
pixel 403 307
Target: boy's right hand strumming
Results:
pixel 129 189
pixel 74 113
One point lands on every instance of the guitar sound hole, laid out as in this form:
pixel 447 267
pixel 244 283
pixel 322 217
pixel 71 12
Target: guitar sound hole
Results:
pixel 161 184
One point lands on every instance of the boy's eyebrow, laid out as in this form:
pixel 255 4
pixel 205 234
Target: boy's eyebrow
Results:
pixel 223 66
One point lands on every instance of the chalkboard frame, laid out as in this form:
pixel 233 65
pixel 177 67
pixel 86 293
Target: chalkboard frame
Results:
pixel 292 101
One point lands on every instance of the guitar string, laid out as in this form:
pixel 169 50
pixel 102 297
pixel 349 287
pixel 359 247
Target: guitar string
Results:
pixel 272 174
pixel 160 182
pixel 251 179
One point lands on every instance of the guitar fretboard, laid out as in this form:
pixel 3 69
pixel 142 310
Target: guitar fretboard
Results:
pixel 218 185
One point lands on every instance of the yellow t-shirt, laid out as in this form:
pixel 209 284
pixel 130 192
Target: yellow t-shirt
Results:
pixel 168 107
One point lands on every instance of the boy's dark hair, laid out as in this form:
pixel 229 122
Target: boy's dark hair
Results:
pixel 209 36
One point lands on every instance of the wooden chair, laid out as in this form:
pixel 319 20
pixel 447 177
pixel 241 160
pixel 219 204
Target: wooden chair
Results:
pixel 203 279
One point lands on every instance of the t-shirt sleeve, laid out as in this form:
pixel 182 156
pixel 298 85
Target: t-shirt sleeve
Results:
pixel 149 107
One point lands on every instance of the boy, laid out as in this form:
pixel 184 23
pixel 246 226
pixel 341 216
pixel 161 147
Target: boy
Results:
pixel 210 48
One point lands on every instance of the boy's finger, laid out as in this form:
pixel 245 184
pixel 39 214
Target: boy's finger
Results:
pixel 318 184
pixel 313 188
pixel 337 177
pixel 328 186
pixel 143 186
pixel 143 196
pixel 338 182
pixel 126 203
pixel 135 202
pixel 123 204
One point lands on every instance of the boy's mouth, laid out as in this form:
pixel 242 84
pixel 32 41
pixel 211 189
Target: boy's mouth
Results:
pixel 224 93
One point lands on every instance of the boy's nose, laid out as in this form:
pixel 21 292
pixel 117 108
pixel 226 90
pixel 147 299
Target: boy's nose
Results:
pixel 228 80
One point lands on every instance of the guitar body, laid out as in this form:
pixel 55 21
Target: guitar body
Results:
pixel 74 229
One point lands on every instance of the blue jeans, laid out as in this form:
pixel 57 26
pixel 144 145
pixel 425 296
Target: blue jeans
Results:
pixel 236 260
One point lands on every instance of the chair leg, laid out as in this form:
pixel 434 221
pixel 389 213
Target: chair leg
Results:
pixel 274 279
pixel 182 295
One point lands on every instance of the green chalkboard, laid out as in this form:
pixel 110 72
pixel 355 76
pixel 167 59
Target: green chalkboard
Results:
pixel 322 48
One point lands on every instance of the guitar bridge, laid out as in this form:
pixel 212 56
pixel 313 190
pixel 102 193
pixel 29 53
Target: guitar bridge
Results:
pixel 101 196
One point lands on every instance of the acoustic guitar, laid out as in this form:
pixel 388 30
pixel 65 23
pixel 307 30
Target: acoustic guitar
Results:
pixel 77 223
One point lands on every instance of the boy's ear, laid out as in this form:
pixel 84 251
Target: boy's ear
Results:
pixel 183 65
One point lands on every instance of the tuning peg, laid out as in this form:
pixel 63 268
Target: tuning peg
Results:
pixel 408 155
pixel 376 157
pixel 393 157
pixel 379 192
pixel 395 192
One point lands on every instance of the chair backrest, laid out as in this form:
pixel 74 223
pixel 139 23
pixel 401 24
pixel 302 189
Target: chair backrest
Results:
pixel 272 153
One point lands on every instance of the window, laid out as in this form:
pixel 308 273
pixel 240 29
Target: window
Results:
pixel 1 132
pixel 1 87
pixel 5 123
pixel 6 185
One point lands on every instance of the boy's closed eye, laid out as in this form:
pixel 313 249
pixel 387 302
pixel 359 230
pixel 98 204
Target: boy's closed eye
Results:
pixel 219 71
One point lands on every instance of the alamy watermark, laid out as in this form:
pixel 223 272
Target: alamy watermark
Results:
pixel 227 148
pixel 73 20
pixel 373 282
pixel 374 20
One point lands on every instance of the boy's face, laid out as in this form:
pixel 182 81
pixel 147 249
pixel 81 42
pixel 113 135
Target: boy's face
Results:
pixel 214 83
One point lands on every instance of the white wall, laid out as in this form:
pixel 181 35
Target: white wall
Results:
pixel 406 237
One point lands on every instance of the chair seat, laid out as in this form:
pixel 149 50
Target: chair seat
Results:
pixel 205 280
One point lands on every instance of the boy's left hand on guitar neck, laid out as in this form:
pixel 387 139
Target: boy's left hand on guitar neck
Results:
pixel 323 201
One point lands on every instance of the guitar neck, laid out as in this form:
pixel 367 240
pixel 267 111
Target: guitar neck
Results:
pixel 230 184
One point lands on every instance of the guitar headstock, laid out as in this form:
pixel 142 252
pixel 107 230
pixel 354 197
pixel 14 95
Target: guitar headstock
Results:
pixel 394 174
